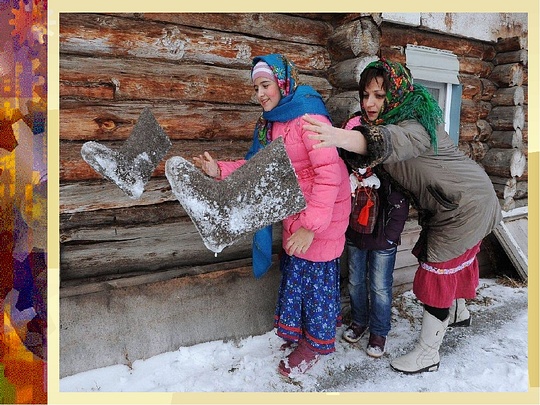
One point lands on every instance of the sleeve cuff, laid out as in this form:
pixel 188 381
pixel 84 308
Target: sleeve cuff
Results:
pixel 379 147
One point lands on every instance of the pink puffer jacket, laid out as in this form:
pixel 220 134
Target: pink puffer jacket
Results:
pixel 324 180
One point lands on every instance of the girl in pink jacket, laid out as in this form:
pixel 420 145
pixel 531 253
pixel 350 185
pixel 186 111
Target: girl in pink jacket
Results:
pixel 308 308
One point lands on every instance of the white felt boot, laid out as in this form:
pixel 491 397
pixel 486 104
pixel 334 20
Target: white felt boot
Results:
pixel 425 356
pixel 459 314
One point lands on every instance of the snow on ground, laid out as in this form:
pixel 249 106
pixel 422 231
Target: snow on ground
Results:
pixel 489 356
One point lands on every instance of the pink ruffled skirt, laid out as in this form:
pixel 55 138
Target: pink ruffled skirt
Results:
pixel 438 284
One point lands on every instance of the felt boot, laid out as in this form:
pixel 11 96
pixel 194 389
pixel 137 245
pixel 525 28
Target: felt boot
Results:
pixel 300 360
pixel 425 356
pixel 459 314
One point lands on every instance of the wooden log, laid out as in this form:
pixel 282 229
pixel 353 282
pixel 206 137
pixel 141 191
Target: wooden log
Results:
pixel 91 196
pixel 102 91
pixel 518 165
pixel 83 121
pixel 478 150
pixel 510 44
pixel 153 80
pixel 394 53
pixel 285 27
pixel 107 234
pixel 359 37
pixel 346 74
pixel 504 162
pixel 398 35
pixel 504 186
pixel 484 130
pixel 525 150
pixel 73 167
pixel 465 148
pixel 519 56
pixel 98 35
pixel 506 139
pixel 468 131
pixel 523 202
pixel 121 251
pixel 333 18
pixel 488 89
pixel 507 204
pixel 507 75
pixel 524 176
pixel 504 118
pixel 508 96
pixel 342 105
pixel 472 111
pixel 78 287
pixel 474 66
pixel 113 250
pixel 472 87
pixel 485 109
pixel 164 210
pixel 522 190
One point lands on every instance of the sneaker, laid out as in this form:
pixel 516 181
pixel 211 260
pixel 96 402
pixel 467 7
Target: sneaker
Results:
pixel 299 361
pixel 354 333
pixel 375 347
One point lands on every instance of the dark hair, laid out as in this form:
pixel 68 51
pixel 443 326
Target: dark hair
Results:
pixel 371 73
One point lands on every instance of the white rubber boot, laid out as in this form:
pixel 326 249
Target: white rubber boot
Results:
pixel 459 314
pixel 425 356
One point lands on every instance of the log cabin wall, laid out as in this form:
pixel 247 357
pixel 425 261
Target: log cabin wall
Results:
pixel 137 271
pixel 136 278
pixel 196 82
pixel 493 115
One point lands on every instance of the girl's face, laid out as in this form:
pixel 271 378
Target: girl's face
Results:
pixel 373 98
pixel 267 92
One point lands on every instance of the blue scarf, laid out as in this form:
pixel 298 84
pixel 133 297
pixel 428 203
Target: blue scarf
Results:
pixel 296 100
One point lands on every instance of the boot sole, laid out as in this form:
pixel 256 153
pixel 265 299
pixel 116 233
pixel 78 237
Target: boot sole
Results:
pixel 375 355
pixel 287 374
pixel 351 340
pixel 433 367
pixel 465 322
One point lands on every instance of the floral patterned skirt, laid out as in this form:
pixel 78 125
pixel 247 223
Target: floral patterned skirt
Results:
pixel 309 305
pixel 438 284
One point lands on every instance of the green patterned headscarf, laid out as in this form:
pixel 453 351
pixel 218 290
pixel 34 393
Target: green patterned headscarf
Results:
pixel 405 100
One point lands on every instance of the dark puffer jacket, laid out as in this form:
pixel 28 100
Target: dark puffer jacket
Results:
pixel 393 212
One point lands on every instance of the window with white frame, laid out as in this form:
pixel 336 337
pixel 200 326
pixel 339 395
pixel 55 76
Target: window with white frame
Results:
pixel 438 70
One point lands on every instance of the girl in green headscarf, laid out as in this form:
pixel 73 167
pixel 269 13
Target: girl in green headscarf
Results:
pixel 454 197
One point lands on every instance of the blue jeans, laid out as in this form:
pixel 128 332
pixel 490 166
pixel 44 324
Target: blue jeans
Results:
pixel 370 287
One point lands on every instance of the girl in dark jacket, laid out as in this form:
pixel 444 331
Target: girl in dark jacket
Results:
pixel 371 258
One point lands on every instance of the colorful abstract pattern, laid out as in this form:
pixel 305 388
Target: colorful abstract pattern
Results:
pixel 23 201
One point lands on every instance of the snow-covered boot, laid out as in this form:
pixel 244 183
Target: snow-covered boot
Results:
pixel 459 314
pixel 425 356
pixel 299 361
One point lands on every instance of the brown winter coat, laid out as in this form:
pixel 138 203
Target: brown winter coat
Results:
pixel 456 201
